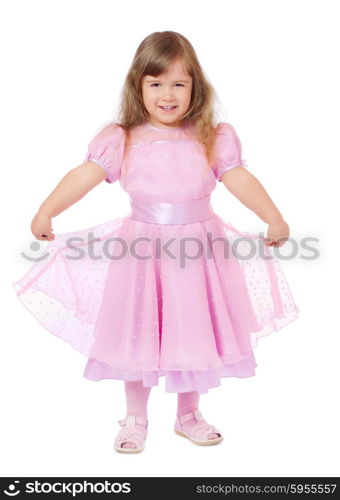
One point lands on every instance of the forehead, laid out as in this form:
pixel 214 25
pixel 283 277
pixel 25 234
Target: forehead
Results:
pixel 175 71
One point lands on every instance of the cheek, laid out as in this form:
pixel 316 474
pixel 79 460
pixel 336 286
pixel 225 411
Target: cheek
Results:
pixel 147 100
pixel 187 97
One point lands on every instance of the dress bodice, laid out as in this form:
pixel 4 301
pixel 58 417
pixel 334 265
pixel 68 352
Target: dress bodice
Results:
pixel 164 164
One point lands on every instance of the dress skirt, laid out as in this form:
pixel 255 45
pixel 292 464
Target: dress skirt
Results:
pixel 170 290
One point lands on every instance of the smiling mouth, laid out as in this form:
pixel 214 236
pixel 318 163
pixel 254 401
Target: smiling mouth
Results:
pixel 168 108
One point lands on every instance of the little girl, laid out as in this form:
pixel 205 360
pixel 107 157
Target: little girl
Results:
pixel 171 289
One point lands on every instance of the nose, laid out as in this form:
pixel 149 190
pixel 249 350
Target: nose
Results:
pixel 167 92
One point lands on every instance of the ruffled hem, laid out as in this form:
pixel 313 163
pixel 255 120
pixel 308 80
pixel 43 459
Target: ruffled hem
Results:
pixel 175 380
pixel 190 380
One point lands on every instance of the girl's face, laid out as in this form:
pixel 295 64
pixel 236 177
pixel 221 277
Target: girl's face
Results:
pixel 171 88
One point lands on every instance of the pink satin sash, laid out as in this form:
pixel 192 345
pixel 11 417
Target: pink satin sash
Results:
pixel 171 213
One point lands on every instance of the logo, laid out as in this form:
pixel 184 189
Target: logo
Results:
pixel 12 492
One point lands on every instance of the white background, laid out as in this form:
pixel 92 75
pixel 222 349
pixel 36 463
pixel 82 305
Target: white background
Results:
pixel 274 65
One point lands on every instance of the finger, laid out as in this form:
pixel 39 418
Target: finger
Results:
pixel 281 241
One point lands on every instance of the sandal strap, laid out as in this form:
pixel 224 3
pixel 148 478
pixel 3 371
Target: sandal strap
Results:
pixel 131 435
pixel 132 420
pixel 189 416
pixel 201 430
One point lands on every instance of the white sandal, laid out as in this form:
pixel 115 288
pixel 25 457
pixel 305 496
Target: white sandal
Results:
pixel 131 433
pixel 199 432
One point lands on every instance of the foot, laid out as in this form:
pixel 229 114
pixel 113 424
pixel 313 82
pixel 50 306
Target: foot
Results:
pixel 131 438
pixel 193 426
pixel 187 425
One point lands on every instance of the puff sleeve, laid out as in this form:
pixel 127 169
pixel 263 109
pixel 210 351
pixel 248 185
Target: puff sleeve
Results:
pixel 228 150
pixel 106 149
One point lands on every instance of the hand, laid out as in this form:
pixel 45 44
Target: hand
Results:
pixel 277 233
pixel 41 227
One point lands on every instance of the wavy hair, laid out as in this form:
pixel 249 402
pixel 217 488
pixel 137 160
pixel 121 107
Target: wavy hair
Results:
pixel 153 57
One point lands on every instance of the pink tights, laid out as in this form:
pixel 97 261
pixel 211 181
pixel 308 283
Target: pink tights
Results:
pixel 137 396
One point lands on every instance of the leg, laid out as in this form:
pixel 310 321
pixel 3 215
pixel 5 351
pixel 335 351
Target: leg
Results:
pixel 136 402
pixel 186 402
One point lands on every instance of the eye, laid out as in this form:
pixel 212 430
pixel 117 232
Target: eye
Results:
pixel 153 84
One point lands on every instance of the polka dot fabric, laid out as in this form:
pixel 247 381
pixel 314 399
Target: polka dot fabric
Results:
pixel 137 298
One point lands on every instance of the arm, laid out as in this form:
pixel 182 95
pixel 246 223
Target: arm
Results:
pixel 244 185
pixel 72 187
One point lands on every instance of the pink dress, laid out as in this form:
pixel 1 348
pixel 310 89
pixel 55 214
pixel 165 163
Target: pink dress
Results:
pixel 152 293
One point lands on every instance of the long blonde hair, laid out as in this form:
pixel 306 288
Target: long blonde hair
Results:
pixel 154 56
